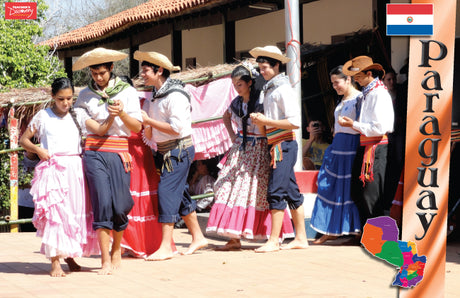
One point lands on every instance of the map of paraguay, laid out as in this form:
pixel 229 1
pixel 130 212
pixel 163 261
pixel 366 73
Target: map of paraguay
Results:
pixel 380 238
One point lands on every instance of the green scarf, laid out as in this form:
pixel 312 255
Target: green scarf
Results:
pixel 109 92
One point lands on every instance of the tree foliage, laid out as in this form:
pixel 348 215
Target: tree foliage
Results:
pixel 22 63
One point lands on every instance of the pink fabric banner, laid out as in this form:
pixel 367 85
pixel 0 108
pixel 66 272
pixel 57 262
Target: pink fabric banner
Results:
pixel 211 100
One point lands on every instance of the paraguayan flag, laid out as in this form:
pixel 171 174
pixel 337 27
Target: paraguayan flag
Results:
pixel 409 19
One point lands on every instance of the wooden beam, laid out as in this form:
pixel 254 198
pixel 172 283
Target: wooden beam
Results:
pixel 133 64
pixel 229 46
pixel 68 67
pixel 176 47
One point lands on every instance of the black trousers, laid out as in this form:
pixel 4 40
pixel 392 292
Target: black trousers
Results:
pixel 369 197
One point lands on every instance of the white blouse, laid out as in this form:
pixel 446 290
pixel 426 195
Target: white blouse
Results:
pixel 346 108
pixel 60 136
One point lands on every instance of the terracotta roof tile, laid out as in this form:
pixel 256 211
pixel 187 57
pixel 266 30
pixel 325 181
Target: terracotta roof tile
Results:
pixel 153 10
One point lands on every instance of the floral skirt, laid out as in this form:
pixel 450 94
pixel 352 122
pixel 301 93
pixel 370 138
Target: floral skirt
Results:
pixel 63 216
pixel 241 209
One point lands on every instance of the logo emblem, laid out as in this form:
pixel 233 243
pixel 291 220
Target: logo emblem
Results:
pixel 410 19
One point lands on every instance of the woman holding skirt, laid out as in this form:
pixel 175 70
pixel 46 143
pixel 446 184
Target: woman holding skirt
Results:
pixel 335 213
pixel 241 209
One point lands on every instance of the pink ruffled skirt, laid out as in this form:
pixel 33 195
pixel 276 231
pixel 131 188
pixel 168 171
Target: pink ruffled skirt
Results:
pixel 63 215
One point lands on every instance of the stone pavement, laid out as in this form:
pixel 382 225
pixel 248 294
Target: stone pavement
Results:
pixel 331 270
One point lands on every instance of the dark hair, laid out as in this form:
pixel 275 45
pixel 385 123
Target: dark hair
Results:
pixel 315 119
pixel 338 71
pixel 269 60
pixel 388 71
pixel 244 74
pixel 166 73
pixel 375 73
pixel 107 65
pixel 61 83
pixel 65 83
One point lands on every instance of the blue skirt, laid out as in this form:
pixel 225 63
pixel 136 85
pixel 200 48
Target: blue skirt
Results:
pixel 334 212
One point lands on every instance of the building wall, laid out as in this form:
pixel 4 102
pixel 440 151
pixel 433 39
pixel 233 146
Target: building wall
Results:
pixel 205 44
pixel 318 26
pixel 267 29
pixel 161 45
pixel 325 18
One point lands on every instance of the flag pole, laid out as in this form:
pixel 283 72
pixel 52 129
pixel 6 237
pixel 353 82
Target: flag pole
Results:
pixel 291 16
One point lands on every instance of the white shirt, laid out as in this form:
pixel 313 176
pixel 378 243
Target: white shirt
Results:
pixel 58 135
pixel 89 101
pixel 346 108
pixel 279 100
pixel 173 109
pixel 377 115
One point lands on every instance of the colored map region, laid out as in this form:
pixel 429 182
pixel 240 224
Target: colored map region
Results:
pixel 380 238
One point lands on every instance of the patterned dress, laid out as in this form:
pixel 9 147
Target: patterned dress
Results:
pixel 62 215
pixel 241 209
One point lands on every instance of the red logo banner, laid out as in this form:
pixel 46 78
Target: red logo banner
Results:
pixel 21 10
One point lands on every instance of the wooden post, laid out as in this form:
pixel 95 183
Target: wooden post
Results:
pixel 13 130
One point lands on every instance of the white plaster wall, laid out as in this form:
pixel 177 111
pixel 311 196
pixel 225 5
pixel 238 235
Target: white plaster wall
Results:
pixel 161 45
pixel 322 19
pixel 267 29
pixel 206 44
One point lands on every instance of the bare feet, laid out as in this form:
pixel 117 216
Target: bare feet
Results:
pixel 296 244
pixel 196 245
pixel 115 256
pixel 106 269
pixel 324 238
pixel 232 244
pixel 73 266
pixel 161 254
pixel 56 269
pixel 269 246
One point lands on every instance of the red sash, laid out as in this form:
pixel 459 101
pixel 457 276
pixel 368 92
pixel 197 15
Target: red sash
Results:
pixel 275 137
pixel 111 144
pixel 370 143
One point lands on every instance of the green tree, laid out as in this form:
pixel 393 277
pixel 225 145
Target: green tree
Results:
pixel 22 63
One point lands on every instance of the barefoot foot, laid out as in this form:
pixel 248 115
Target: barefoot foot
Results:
pixel 268 247
pixel 324 238
pixel 196 245
pixel 233 244
pixel 106 269
pixel 73 266
pixel 160 255
pixel 56 269
pixel 296 244
pixel 115 256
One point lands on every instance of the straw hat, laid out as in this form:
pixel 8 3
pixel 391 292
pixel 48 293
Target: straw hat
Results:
pixel 359 64
pixel 98 56
pixel 269 51
pixel 157 59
